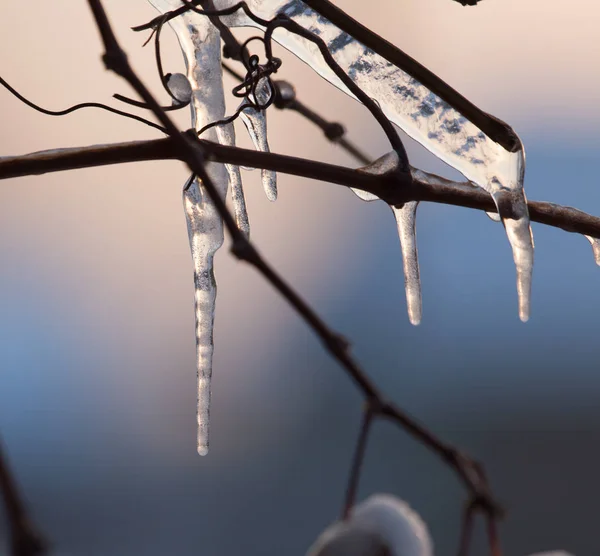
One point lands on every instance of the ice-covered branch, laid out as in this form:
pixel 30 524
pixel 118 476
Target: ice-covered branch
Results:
pixel 435 190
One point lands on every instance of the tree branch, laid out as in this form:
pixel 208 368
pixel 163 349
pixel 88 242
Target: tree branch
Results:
pixel 435 190
pixel 24 539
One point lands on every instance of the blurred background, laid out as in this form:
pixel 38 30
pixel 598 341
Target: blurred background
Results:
pixel 97 377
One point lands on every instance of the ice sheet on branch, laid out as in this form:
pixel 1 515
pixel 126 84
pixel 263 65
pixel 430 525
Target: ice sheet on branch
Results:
pixel 421 114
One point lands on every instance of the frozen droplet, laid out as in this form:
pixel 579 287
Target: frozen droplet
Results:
pixel 180 87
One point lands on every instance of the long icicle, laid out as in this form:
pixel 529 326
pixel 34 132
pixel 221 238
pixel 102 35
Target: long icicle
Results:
pixel 201 45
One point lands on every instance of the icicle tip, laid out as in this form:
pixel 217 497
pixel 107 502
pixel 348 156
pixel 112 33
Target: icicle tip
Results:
pixel 202 450
pixel 415 320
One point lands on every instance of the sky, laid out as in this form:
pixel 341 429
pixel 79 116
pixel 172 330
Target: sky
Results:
pixel 96 318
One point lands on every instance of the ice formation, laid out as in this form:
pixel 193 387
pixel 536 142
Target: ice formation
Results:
pixel 412 106
pixel 406 224
pixel 201 45
pixel 256 124
pixel 595 247
pixel 421 114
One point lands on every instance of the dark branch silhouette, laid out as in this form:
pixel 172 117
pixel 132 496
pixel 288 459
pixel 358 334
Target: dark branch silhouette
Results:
pixel 24 539
pixel 388 188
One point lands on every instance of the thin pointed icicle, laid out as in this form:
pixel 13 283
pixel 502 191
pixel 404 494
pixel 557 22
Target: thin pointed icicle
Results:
pixel 201 45
pixel 422 114
pixel 406 224
pixel 226 136
pixel 205 231
pixel 595 247
pixel 256 124
pixel 382 524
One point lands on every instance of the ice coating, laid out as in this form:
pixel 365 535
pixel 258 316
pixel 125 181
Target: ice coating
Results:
pixel 201 46
pixel 595 247
pixel 422 114
pixel 494 216
pixel 405 217
pixel 381 521
pixel 256 124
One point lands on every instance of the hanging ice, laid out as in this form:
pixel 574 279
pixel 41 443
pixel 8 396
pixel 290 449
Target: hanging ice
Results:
pixel 256 124
pixel 406 224
pixel 421 114
pixel 201 46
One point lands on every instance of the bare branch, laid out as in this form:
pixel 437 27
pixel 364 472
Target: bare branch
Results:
pixel 496 129
pixel 24 539
pixel 435 190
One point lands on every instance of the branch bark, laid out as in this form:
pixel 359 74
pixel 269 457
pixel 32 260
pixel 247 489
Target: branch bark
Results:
pixel 387 188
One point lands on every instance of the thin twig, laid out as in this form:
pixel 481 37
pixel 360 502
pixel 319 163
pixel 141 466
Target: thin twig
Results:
pixel 24 539
pixel 358 459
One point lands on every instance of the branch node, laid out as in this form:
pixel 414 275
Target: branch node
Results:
pixel 116 60
pixel 242 249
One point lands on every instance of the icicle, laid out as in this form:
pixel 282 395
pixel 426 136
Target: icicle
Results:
pixel 201 46
pixel 256 124
pixel 379 525
pixel 423 115
pixel 405 222
pixel 596 248
pixel 205 232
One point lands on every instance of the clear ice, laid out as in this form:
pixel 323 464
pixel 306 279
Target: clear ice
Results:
pixel 256 124
pixel 595 247
pixel 422 114
pixel 405 217
pixel 201 45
